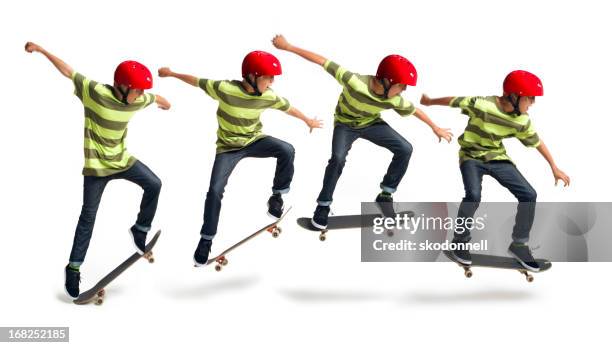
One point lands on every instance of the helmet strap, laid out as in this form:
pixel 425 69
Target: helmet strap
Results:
pixel 386 87
pixel 124 94
pixel 515 103
pixel 253 84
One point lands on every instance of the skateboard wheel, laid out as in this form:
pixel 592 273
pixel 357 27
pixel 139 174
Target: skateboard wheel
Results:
pixel 218 268
pixel 529 278
pixel 99 301
pixel 322 237
pixel 275 234
pixel 101 293
pixel 468 274
pixel 224 262
pixel 279 230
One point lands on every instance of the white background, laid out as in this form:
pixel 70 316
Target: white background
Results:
pixel 295 290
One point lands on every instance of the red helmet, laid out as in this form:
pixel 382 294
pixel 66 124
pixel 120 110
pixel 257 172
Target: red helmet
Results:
pixel 397 69
pixel 133 75
pixel 260 63
pixel 523 83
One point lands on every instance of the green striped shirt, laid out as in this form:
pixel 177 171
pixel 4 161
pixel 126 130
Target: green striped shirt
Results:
pixel 487 126
pixel 239 112
pixel 106 121
pixel 358 106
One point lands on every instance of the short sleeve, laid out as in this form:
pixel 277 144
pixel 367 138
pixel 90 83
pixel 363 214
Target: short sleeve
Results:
pixel 81 84
pixel 210 87
pixel 405 108
pixel 281 104
pixel 339 73
pixel 528 136
pixel 463 102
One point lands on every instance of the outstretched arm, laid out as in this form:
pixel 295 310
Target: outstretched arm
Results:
pixel 281 43
pixel 166 72
pixel 441 133
pixel 310 122
pixel 558 173
pixel 63 68
pixel 427 101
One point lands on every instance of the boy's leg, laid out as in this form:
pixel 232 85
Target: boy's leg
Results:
pixel 472 172
pixel 342 141
pixel 222 169
pixel 142 176
pixel 383 135
pixel 511 178
pixel 93 187
pixel 284 154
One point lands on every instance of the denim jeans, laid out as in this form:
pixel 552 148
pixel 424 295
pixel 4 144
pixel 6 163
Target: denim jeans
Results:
pixel 506 173
pixel 93 187
pixel 225 163
pixel 380 134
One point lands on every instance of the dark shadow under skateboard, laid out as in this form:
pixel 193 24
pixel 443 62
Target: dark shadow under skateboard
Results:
pixel 221 259
pixel 340 222
pixel 97 292
pixel 503 262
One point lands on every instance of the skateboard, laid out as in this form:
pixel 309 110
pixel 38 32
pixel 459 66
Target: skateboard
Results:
pixel 221 259
pixel 505 262
pixel 97 292
pixel 341 222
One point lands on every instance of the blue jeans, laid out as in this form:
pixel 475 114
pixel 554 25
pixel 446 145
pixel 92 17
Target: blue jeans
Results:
pixel 506 173
pixel 380 134
pixel 225 163
pixel 93 187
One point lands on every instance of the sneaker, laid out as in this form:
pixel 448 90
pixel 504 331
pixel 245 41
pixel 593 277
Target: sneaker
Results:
pixel 275 206
pixel 522 254
pixel 139 239
pixel 72 278
pixel 319 218
pixel 385 203
pixel 200 257
pixel 461 253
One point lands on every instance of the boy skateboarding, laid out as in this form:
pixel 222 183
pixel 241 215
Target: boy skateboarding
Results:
pixel 492 119
pixel 108 109
pixel 239 135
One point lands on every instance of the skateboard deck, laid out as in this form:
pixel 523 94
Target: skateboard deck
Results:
pixel 97 292
pixel 341 222
pixel 221 259
pixel 504 262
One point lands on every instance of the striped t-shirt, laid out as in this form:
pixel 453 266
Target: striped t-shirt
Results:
pixel 487 126
pixel 106 121
pixel 358 106
pixel 238 112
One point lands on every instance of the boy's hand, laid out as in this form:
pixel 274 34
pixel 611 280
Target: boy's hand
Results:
pixel 313 123
pixel 280 42
pixel 164 72
pixel 425 100
pixel 443 133
pixel 32 47
pixel 161 102
pixel 560 175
